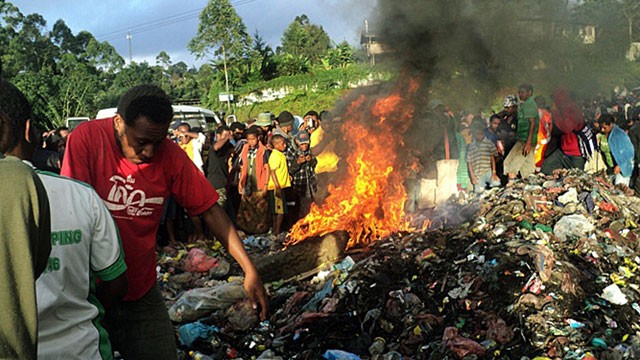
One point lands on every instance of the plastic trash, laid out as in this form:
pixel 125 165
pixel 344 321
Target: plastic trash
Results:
pixel 377 347
pixel 199 261
pixel 221 271
pixel 575 225
pixel 197 303
pixel 614 295
pixel 571 196
pixel 392 355
pixel 460 345
pixel 197 355
pixel 339 355
pixel 268 355
pixel 242 315
pixel 189 333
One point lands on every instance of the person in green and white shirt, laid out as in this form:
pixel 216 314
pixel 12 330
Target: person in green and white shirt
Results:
pixel 85 246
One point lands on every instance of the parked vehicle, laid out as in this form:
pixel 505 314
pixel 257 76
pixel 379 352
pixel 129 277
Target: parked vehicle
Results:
pixel 196 117
pixel 72 122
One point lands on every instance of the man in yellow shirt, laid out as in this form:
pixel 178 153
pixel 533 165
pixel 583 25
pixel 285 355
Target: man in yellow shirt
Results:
pixel 278 180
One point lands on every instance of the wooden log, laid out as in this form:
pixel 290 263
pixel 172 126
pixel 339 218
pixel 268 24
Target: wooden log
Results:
pixel 310 254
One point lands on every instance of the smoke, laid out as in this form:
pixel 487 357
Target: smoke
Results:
pixel 468 54
pixel 471 53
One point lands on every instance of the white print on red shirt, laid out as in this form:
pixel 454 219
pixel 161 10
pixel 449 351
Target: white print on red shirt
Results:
pixel 123 196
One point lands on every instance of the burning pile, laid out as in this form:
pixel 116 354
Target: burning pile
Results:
pixel 545 269
pixel 369 202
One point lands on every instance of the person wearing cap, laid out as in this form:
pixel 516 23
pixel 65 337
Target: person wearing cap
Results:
pixel 304 178
pixel 521 157
pixel 265 123
pixel 506 132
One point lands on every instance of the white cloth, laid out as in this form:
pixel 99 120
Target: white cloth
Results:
pixel 84 241
pixel 197 144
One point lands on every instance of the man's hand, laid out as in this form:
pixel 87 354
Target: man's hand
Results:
pixel 301 160
pixel 527 149
pixel 255 290
pixel 474 180
pixel 278 192
pixel 495 177
pixel 616 170
pixel 222 229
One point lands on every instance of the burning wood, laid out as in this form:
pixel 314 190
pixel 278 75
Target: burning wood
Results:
pixel 309 255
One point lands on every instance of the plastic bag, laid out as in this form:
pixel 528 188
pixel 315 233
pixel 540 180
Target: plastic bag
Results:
pixel 242 315
pixel 199 261
pixel 197 303
pixel 572 226
pixel 339 355
pixel 461 346
pixel 189 333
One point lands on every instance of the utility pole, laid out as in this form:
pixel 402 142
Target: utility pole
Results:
pixel 226 78
pixel 129 39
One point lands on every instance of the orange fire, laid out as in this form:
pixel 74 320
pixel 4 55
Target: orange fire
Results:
pixel 369 202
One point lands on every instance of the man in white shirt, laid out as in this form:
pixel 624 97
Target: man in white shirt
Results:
pixel 84 245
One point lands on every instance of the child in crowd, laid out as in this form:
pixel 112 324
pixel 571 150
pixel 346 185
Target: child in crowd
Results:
pixel 481 159
pixel 252 184
pixel 304 179
pixel 278 181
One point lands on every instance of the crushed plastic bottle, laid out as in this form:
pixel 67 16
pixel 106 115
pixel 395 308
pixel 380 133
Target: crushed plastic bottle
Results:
pixel 197 355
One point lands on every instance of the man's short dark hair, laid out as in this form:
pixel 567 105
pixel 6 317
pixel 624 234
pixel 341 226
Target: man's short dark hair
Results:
pixel 16 110
pixel 184 124
pixel 236 126
pixel 254 130
pixel 276 137
pixel 312 113
pixel 221 128
pixel 607 119
pixel 527 87
pixel 145 100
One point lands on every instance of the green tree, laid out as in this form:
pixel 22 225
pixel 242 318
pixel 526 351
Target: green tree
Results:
pixel 340 56
pixel 163 60
pixel 268 64
pixel 222 31
pixel 303 39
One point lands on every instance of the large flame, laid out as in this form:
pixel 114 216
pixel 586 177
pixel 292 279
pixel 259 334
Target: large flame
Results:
pixel 369 202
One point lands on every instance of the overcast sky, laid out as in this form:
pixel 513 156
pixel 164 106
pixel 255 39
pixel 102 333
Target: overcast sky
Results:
pixel 170 24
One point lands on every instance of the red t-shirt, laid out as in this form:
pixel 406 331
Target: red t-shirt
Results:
pixel 135 194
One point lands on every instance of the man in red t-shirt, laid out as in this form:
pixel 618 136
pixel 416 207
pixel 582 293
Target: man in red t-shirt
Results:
pixel 134 168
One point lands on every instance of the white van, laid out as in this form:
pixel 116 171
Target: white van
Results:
pixel 197 117
pixel 72 122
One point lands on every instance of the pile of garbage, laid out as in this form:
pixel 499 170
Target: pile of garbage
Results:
pixel 546 268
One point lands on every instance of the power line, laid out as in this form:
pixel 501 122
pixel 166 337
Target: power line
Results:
pixel 111 33
pixel 158 23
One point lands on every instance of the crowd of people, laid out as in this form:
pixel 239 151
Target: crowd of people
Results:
pixel 89 207
pixel 130 184
pixel 535 135
pixel 264 172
